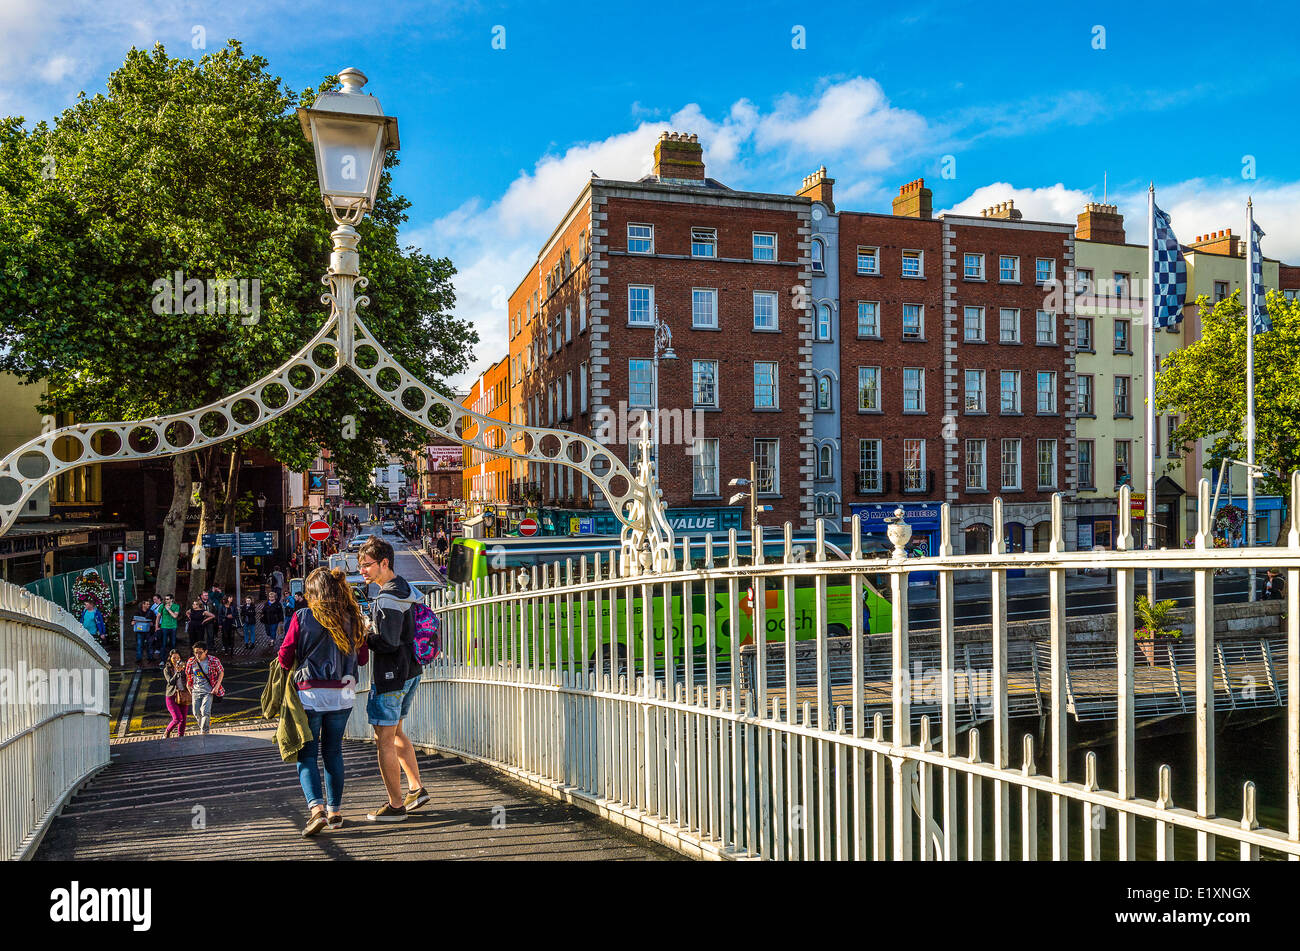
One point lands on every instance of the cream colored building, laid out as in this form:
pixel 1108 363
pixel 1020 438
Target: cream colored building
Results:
pixel 20 422
pixel 1111 283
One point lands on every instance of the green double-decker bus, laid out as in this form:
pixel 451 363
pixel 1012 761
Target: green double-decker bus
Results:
pixel 549 629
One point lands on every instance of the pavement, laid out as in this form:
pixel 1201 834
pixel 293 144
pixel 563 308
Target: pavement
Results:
pixel 228 795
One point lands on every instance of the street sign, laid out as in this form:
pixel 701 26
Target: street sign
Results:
pixel 218 539
pixel 318 531
pixel 528 526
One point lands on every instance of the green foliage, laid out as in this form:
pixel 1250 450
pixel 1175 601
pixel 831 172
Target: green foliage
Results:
pixel 1205 384
pixel 201 167
pixel 1157 620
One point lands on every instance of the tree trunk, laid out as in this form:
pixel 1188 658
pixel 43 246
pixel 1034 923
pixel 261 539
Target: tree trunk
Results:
pixel 226 564
pixel 209 494
pixel 174 523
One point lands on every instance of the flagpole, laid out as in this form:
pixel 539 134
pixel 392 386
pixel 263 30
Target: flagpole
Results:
pixel 1250 385
pixel 1150 501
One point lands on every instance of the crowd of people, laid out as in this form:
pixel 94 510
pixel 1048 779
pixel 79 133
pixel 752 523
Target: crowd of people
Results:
pixel 213 617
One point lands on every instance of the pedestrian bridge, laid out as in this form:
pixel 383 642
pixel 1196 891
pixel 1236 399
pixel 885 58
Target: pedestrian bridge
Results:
pixel 796 762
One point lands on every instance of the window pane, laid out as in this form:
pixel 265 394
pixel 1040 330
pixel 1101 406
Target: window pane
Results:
pixel 765 385
pixel 1009 325
pixel 974 391
pixel 704 242
pixel 640 382
pixel 974 323
pixel 975 464
pixel 868 318
pixel 640 239
pixel 913 325
pixel 913 388
pixel 767 462
pixel 640 304
pixel 869 388
pixel 1047 392
pixel 704 375
pixel 1010 391
pixel 914 465
pixel 868 262
pixel 764 310
pixel 868 465
pixel 1011 463
pixel 704 307
pixel 764 247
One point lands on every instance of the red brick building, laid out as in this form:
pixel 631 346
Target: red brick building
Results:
pixel 728 273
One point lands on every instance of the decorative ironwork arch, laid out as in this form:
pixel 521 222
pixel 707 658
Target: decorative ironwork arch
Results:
pixel 635 499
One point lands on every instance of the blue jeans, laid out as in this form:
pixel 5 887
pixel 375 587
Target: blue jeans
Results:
pixel 250 634
pixel 142 639
pixel 327 743
pixel 168 639
pixel 272 630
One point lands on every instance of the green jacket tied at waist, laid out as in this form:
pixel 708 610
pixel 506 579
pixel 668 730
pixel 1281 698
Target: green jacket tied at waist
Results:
pixel 280 699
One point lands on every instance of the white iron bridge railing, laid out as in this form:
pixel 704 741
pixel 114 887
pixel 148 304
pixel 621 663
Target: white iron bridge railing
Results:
pixel 54 709
pixel 616 693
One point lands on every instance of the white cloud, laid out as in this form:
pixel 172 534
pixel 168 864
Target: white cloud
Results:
pixel 1200 206
pixel 850 121
pixel 1051 203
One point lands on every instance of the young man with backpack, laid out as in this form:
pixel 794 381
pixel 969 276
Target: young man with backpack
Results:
pixel 395 676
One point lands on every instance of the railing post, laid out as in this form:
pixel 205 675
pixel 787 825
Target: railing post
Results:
pixel 1001 734
pixel 1060 716
pixel 900 533
pixel 1203 610
pixel 1125 728
pixel 947 659
pixel 1293 672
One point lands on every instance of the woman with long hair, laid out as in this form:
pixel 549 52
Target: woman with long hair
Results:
pixel 323 647
pixel 178 694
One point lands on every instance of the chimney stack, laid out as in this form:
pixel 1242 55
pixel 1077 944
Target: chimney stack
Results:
pixel 817 187
pixel 914 200
pixel 1003 209
pixel 679 158
pixel 1220 242
pixel 1100 223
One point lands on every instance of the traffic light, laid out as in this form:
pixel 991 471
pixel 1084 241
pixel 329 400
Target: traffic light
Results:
pixel 119 566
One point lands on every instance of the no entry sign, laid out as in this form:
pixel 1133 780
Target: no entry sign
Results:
pixel 318 531
pixel 528 526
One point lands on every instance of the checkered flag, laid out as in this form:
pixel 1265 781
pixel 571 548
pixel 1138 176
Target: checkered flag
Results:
pixel 1168 273
pixel 1260 324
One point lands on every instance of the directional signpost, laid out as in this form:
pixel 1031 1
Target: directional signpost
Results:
pixel 240 545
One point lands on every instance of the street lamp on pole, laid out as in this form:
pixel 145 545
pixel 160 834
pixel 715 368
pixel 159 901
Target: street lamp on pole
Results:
pixel 751 494
pixel 663 350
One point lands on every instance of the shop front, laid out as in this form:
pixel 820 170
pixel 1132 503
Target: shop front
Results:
pixel 922 517
pixel 685 522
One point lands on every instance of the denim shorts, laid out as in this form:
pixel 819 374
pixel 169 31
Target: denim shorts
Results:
pixel 389 709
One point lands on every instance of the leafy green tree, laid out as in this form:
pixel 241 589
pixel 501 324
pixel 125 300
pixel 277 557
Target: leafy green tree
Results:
pixel 201 167
pixel 1205 384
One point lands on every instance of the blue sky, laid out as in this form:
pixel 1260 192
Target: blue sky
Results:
pixel 1025 101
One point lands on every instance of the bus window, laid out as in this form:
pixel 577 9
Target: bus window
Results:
pixel 460 566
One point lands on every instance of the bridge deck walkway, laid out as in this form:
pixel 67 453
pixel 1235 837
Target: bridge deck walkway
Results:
pixel 228 795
